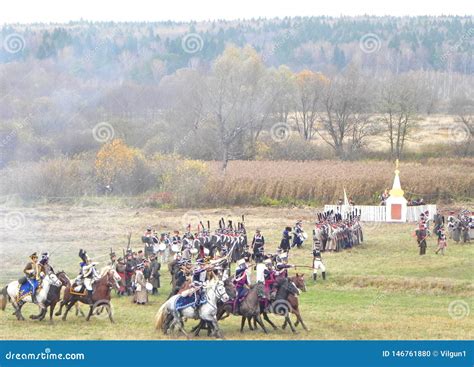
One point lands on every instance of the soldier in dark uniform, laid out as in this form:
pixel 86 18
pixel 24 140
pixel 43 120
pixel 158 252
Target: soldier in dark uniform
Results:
pixel 258 244
pixel 32 272
pixel 285 241
pixel 155 267
pixel 421 234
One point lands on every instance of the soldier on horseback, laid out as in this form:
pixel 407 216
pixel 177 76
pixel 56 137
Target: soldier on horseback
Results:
pixel 87 275
pixel 241 282
pixel 34 272
pixel 282 265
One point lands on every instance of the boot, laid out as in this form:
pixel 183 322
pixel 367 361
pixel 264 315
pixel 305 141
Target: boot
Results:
pixel 315 276
pixel 89 296
pixel 33 298
pixel 324 275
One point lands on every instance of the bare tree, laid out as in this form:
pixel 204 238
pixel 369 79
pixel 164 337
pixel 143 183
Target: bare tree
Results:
pixel 401 99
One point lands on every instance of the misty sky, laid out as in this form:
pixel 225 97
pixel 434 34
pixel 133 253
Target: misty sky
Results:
pixel 21 11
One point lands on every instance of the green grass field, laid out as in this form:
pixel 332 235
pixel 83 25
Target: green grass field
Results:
pixel 380 290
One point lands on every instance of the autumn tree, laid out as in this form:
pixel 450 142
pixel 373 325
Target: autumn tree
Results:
pixel 308 94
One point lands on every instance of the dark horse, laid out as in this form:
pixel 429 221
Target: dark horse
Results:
pixel 100 295
pixel 286 302
pixel 249 309
pixel 54 295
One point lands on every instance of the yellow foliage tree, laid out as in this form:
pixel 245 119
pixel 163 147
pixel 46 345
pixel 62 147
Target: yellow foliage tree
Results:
pixel 112 159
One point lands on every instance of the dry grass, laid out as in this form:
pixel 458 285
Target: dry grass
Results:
pixel 248 182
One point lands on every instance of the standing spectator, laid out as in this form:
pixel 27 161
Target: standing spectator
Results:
pixel 141 295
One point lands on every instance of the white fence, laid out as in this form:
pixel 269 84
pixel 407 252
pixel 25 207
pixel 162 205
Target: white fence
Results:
pixel 372 213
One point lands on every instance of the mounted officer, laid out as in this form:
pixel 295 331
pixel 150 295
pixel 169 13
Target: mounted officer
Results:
pixel 282 265
pixel 87 275
pixel 241 282
pixel 33 274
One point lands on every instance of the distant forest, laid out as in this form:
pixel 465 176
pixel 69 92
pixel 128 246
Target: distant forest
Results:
pixel 219 90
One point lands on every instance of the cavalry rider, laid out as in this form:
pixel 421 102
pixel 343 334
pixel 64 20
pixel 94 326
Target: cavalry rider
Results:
pixel 318 264
pixel 298 237
pixel 282 265
pixel 270 278
pixel 199 278
pixel 33 274
pixel 241 282
pixel 258 244
pixel 87 275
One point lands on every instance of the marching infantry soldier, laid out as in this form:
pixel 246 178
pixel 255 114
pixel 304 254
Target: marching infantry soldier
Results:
pixel 318 265
pixel 299 233
pixel 258 244
pixel 285 241
pixel 421 234
pixel 33 274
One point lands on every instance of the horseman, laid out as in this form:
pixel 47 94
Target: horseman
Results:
pixel 241 282
pixel 282 265
pixel 34 272
pixel 270 278
pixel 258 244
pixel 87 275
pixel 199 278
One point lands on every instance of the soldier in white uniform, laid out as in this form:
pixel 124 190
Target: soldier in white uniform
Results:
pixel 318 265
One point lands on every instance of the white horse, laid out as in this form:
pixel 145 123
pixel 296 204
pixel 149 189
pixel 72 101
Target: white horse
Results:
pixel 214 291
pixel 10 292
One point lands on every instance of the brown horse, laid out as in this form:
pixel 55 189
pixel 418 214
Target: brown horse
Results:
pixel 100 295
pixel 298 280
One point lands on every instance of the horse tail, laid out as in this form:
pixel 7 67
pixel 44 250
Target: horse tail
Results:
pixel 5 298
pixel 161 316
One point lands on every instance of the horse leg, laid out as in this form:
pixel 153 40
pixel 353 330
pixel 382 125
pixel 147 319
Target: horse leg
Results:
pixel 267 319
pixel 217 331
pixel 242 323
pixel 63 302
pixel 299 319
pixel 287 319
pixel 68 307
pixel 109 311
pixel 17 312
pixel 91 309
pixel 197 328
pixel 51 310
pixel 249 319
pixel 258 320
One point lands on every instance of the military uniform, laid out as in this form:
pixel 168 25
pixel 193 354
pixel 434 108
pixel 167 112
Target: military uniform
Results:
pixel 258 245
pixel 421 234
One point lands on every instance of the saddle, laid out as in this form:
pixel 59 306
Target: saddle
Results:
pixel 189 301
pixel 78 290
pixel 26 289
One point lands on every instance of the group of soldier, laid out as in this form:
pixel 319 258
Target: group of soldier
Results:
pixel 458 227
